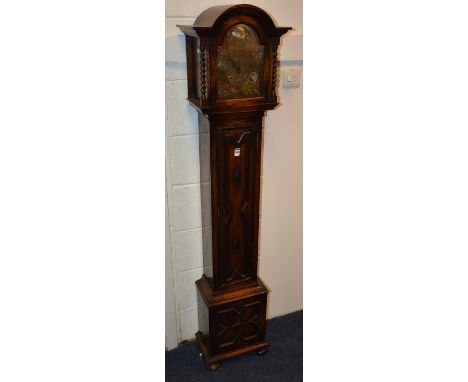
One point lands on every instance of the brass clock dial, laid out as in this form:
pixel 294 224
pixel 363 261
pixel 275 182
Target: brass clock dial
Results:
pixel 240 64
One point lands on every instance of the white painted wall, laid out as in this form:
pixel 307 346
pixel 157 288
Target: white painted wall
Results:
pixel 171 339
pixel 280 261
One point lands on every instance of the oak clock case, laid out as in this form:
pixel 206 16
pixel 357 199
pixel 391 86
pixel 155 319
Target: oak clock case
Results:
pixel 232 64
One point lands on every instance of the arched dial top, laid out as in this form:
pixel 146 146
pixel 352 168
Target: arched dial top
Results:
pixel 219 13
pixel 240 64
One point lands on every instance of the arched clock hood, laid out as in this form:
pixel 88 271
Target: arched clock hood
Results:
pixel 202 41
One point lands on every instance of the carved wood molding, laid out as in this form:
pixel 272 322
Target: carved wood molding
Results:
pixel 203 71
pixel 236 276
pixel 275 68
pixel 238 324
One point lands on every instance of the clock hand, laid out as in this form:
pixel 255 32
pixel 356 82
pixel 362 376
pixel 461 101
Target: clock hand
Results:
pixel 236 65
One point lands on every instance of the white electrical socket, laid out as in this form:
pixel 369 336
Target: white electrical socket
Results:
pixel 291 76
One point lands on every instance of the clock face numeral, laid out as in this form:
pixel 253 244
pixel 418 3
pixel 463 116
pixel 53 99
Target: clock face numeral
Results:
pixel 240 64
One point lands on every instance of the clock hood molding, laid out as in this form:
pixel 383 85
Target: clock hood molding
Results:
pixel 212 19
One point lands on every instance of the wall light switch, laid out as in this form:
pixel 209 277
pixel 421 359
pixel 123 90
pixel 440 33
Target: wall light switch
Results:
pixel 291 76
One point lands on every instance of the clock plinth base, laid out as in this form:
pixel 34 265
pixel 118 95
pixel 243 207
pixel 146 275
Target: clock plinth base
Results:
pixel 212 361
pixel 231 322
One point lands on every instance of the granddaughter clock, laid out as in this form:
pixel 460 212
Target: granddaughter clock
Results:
pixel 232 64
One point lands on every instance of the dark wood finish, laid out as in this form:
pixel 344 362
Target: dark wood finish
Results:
pixel 206 34
pixel 212 361
pixel 234 194
pixel 232 298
